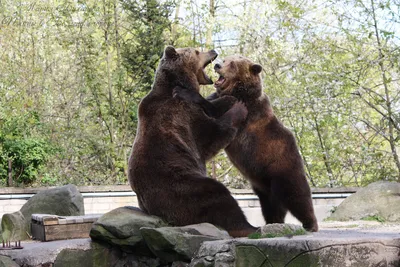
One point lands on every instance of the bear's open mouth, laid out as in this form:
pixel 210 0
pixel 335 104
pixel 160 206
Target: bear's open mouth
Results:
pixel 220 81
pixel 208 79
pixel 209 61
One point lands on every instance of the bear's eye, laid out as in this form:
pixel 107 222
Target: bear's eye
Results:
pixel 197 52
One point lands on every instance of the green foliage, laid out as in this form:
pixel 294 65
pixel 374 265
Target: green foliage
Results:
pixel 73 74
pixel 28 153
pixel 376 218
pixel 148 23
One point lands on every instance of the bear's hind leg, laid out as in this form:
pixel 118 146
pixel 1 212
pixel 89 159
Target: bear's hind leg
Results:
pixel 271 207
pixel 302 208
pixel 196 199
pixel 221 208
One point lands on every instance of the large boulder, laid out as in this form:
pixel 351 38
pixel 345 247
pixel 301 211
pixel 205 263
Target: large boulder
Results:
pixel 171 244
pixel 380 200
pixel 64 201
pixel 120 227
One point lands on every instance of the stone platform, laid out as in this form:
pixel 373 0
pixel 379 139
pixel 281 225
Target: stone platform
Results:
pixel 360 244
pixel 336 244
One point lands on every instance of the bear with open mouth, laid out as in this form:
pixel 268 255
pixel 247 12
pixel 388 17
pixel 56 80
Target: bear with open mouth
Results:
pixel 175 138
pixel 264 150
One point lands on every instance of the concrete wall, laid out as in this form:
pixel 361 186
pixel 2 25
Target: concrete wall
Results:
pixel 322 208
pixel 100 205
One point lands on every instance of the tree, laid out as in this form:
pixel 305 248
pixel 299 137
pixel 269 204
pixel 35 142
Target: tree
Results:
pixel 149 25
pixel 375 79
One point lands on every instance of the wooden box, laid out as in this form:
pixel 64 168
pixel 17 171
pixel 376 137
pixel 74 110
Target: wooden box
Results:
pixel 47 227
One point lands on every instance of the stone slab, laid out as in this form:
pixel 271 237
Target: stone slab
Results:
pixel 352 244
pixel 42 253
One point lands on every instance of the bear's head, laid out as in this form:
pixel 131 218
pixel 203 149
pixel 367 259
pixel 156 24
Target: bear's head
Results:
pixel 239 77
pixel 185 66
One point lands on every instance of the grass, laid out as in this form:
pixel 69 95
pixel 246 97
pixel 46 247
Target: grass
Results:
pixel 375 218
pixel 333 209
pixel 285 232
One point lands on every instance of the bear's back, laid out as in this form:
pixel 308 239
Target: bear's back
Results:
pixel 165 136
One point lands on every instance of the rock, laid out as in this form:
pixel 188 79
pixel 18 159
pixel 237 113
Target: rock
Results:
pixel 179 264
pixel 72 253
pixel 101 256
pixel 380 200
pixel 180 243
pixel 379 246
pixel 14 225
pixel 281 229
pixel 96 256
pixel 7 262
pixel 63 201
pixel 215 253
pixel 120 227
pixel 360 247
pixel 40 254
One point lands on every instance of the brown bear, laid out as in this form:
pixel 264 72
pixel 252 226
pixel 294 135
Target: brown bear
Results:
pixel 264 151
pixel 174 140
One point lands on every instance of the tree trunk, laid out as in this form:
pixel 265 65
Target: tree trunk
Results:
pixel 9 171
pixel 325 154
pixel 174 27
pixel 210 25
pixel 214 171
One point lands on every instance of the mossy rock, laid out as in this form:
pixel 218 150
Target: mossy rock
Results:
pixel 180 243
pixel 121 227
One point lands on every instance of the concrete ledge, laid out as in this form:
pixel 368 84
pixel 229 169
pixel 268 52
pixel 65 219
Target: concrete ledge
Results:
pixel 127 188
pixel 82 189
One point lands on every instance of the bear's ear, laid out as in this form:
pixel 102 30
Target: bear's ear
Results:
pixel 232 64
pixel 170 52
pixel 255 68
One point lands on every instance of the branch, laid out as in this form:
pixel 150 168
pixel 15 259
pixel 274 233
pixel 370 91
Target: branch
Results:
pixel 226 172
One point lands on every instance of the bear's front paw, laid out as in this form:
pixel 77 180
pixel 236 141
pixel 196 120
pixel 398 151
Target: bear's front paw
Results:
pixel 239 113
pixel 230 100
pixel 185 94
pixel 178 92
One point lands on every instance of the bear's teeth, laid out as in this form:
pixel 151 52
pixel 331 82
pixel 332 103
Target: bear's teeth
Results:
pixel 220 81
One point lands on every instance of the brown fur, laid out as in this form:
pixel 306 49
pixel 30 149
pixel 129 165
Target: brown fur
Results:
pixel 264 150
pixel 174 139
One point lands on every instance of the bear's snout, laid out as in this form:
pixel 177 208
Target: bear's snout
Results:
pixel 217 66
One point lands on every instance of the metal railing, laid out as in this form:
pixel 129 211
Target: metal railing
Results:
pixel 132 194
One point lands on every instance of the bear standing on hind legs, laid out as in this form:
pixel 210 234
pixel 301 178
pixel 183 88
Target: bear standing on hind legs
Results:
pixel 264 151
pixel 174 139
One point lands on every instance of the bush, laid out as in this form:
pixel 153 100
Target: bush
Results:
pixel 27 150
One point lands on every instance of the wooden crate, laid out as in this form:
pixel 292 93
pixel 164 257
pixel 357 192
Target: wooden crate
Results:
pixel 47 227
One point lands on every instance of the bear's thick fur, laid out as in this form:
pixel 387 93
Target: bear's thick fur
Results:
pixel 264 151
pixel 174 139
